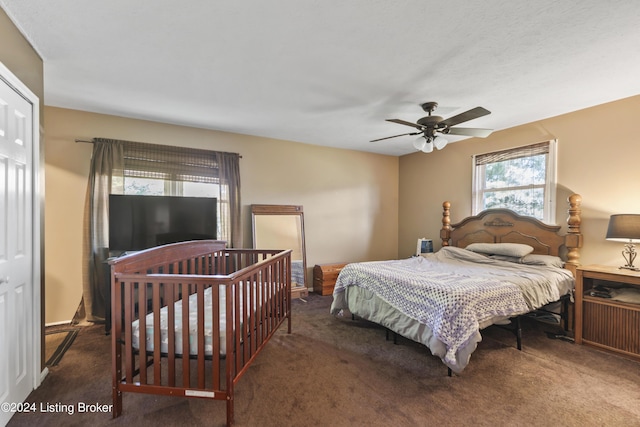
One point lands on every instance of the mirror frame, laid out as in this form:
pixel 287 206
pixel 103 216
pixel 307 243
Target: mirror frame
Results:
pixel 292 210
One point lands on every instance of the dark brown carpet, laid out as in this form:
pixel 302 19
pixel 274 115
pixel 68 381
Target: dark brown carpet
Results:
pixel 57 341
pixel 338 372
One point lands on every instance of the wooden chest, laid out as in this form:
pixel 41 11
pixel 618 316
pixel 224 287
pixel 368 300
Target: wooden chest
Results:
pixel 324 277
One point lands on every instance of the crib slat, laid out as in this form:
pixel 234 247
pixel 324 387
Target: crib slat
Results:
pixel 263 287
pixel 157 336
pixel 254 310
pixel 245 322
pixel 128 312
pixel 171 333
pixel 252 314
pixel 171 328
pixel 236 327
pixel 142 334
pixel 257 308
pixel 116 347
pixel 215 336
pixel 186 374
pixel 276 303
pixel 200 336
pixel 285 294
pixel 230 371
pixel 271 302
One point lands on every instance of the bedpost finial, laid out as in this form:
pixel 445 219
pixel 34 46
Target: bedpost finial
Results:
pixel 574 219
pixel 446 224
pixel 575 200
pixel 573 240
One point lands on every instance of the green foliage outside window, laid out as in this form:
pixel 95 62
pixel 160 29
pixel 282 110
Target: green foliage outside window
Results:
pixel 516 184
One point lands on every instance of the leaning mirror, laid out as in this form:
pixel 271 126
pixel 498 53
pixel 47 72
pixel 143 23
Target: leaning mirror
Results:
pixel 282 227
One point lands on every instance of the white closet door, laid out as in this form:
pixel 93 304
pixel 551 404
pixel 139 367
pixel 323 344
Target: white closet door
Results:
pixel 17 352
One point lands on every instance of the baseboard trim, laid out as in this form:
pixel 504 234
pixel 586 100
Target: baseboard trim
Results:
pixel 43 375
pixel 63 322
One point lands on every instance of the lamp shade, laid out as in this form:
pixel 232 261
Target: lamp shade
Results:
pixel 624 228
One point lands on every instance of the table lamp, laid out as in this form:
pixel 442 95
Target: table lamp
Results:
pixel 625 228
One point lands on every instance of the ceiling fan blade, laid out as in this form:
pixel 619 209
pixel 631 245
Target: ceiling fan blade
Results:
pixel 394 136
pixel 403 122
pixel 474 113
pixel 480 133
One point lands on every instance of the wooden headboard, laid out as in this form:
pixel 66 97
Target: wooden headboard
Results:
pixel 506 226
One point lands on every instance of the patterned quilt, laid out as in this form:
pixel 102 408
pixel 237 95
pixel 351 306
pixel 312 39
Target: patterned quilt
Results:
pixel 454 291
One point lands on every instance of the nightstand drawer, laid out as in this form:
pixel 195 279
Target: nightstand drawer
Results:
pixel 614 326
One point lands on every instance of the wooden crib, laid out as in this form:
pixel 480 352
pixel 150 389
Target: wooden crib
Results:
pixel 230 302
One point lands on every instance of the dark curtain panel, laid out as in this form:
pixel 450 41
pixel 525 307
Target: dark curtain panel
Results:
pixel 105 177
pixel 229 164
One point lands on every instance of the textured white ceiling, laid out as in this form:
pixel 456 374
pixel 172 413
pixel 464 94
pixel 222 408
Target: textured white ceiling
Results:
pixel 329 72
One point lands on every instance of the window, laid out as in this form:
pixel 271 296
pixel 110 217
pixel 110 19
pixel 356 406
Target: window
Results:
pixel 161 187
pixel 522 179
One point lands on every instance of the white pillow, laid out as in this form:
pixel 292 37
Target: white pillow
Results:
pixel 507 249
pixel 532 259
pixel 546 260
pixel 515 259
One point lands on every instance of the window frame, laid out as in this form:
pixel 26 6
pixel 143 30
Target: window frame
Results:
pixel 549 187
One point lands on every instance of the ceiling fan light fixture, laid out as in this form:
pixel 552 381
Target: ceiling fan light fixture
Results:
pixel 424 144
pixel 419 143
pixel 439 142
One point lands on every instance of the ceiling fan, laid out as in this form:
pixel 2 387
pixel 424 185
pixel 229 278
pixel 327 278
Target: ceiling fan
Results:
pixel 431 127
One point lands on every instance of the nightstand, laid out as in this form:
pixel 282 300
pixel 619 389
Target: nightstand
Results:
pixel 603 322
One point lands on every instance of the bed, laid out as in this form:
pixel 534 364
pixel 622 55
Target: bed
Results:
pixel 189 318
pixel 492 268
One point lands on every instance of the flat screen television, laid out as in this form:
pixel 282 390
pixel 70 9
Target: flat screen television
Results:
pixel 140 222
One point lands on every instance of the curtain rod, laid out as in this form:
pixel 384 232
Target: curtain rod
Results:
pixel 91 142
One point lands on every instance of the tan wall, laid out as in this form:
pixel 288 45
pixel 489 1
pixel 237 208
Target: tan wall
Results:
pixel 18 56
pixel 598 151
pixel 350 198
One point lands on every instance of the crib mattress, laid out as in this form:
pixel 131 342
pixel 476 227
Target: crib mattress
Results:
pixel 193 326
